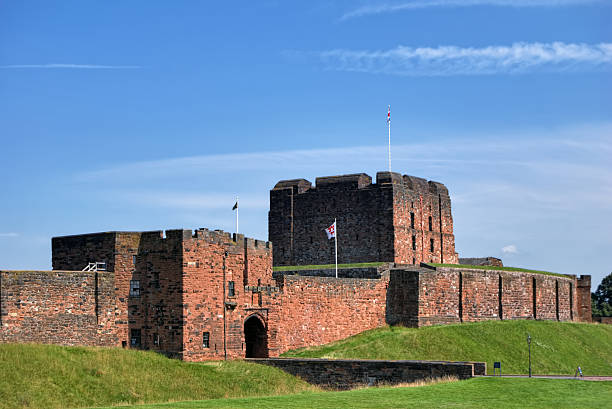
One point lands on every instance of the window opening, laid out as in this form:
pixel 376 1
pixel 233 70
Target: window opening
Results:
pixel 135 335
pixel 134 288
pixel 206 340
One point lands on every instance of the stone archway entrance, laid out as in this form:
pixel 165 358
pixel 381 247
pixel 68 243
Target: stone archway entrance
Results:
pixel 255 338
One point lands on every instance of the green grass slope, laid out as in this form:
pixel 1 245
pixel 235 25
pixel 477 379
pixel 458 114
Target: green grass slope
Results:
pixel 477 393
pixel 47 376
pixel 556 347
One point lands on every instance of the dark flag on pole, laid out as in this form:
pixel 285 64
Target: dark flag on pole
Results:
pixel 235 206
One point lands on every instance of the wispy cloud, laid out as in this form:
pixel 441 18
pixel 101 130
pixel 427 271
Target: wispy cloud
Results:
pixel 509 249
pixel 391 7
pixel 453 60
pixel 181 200
pixel 9 235
pixel 73 66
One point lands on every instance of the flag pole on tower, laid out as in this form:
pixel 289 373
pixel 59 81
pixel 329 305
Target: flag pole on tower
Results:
pixel 236 209
pixel 389 126
pixel 336 245
pixel 332 233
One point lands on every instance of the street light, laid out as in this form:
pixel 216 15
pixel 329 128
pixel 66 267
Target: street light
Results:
pixel 529 344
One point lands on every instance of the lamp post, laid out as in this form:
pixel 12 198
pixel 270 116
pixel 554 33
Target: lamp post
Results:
pixel 529 345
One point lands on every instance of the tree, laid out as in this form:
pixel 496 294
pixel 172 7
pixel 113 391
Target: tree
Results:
pixel 601 299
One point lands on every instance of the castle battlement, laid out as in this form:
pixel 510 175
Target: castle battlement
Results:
pixel 400 218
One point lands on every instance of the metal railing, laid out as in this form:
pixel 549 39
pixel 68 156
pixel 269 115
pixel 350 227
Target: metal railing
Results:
pixel 97 266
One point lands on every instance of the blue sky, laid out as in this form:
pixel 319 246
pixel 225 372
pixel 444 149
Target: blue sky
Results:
pixel 146 115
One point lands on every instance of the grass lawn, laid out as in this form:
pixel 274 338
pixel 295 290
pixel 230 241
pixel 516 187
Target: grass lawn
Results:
pixel 473 394
pixel 556 347
pixel 48 376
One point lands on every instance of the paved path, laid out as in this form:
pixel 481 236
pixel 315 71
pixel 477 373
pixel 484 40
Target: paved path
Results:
pixel 584 378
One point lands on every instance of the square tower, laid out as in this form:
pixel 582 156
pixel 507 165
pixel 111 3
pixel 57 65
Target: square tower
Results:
pixel 400 219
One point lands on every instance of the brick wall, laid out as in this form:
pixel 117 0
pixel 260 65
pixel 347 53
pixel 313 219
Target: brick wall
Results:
pixel 57 307
pixel 395 220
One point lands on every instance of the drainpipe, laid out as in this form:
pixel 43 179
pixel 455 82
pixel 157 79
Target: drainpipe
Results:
pixel 224 324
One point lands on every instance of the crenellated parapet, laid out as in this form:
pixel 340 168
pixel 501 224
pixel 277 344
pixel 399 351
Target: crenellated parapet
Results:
pixel 400 218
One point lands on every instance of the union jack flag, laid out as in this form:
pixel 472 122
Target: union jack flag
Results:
pixel 389 115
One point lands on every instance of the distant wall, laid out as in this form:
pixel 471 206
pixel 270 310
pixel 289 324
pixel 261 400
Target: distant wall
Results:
pixel 74 253
pixel 481 261
pixel 349 373
pixel 57 307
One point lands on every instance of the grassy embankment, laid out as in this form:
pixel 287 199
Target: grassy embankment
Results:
pixel 556 347
pixel 46 376
pixel 470 394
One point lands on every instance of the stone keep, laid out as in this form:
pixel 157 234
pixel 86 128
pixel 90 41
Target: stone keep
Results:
pixel 399 219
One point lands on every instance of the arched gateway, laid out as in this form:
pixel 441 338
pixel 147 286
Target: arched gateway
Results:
pixel 255 337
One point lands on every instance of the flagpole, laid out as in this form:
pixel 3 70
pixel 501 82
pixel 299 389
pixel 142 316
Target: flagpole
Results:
pixel 336 244
pixel 237 209
pixel 389 125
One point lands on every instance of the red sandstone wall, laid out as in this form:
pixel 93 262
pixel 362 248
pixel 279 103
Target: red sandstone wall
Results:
pixel 204 296
pixel 480 292
pixel 56 307
pixel 438 297
pixel 583 299
pixel 517 300
pixel 318 310
pixel 565 313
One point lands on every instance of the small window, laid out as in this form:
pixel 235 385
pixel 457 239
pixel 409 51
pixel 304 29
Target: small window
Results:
pixel 412 220
pixel 430 224
pixel 413 260
pixel 134 288
pixel 431 245
pixel 206 340
pixel 156 339
pixel 134 259
pixel 231 292
pixel 413 243
pixel 135 338
pixel 155 279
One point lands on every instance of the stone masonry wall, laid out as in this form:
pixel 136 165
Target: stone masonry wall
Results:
pixel 453 294
pixel 318 310
pixel 399 219
pixel 74 253
pixel 423 223
pixel 57 307
pixel 211 261
pixel 351 373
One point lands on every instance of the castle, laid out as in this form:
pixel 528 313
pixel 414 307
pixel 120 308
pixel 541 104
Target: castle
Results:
pixel 200 295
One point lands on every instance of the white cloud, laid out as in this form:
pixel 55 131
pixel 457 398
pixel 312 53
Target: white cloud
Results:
pixel 387 7
pixel 9 235
pixel 453 60
pixel 72 66
pixel 509 249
